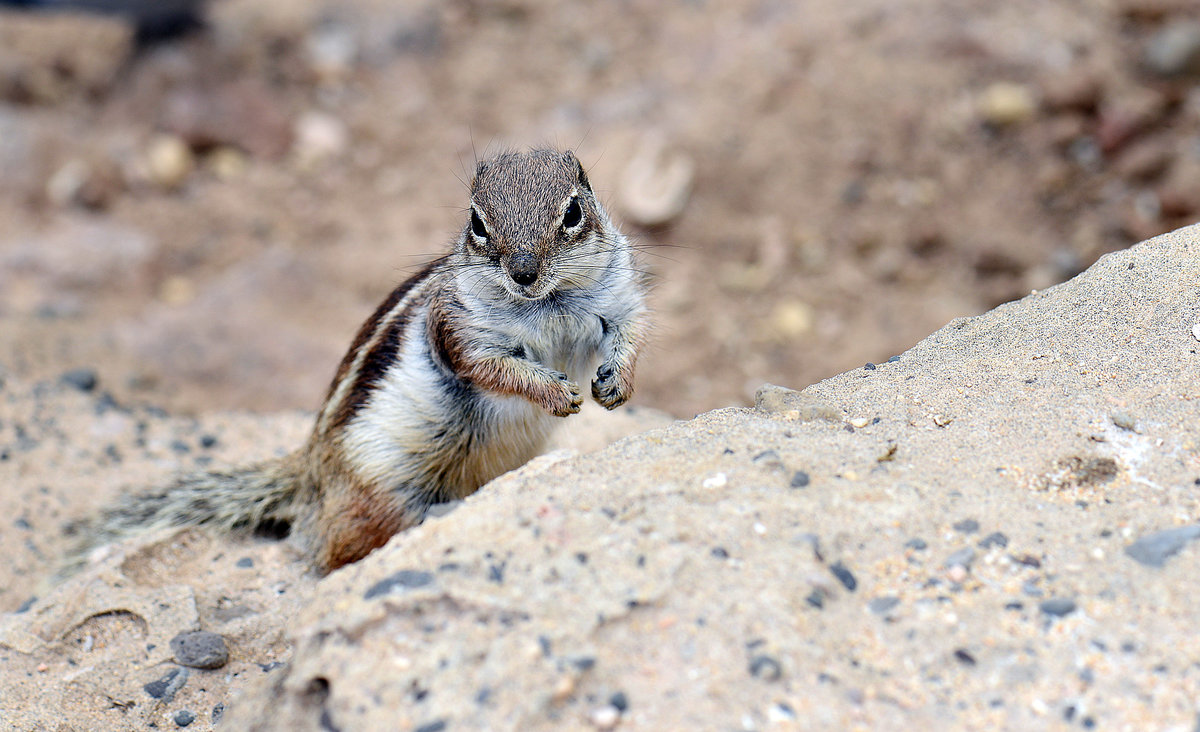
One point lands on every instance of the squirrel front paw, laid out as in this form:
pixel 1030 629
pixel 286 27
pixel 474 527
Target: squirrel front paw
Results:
pixel 563 397
pixel 612 386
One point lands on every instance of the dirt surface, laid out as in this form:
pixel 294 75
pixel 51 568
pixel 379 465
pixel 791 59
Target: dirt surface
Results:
pixel 998 530
pixel 205 221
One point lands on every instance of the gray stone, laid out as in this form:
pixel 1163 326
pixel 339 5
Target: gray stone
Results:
pixel 1153 550
pixel 200 649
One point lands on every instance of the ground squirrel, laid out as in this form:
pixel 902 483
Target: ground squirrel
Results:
pixel 456 378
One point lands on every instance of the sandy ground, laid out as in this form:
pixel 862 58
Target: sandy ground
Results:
pixel 200 225
pixel 999 529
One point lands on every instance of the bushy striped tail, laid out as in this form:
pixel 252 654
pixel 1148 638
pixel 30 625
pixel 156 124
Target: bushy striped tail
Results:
pixel 260 498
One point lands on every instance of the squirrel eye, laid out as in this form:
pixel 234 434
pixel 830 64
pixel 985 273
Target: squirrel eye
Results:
pixel 573 215
pixel 477 227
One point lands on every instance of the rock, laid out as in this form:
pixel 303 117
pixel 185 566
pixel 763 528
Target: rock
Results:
pixel 1004 104
pixel 247 115
pixel 513 625
pixel 319 137
pixel 200 649
pixel 184 717
pixel 76 256
pixel 1076 90
pixel 1144 161
pixel 1153 550
pixel 792 319
pixel 1125 117
pixel 766 668
pixel 961 558
pixel 1058 606
pixel 844 575
pixel 656 184
pixel 1174 51
pixel 44 57
pixel 169 161
pixel 226 162
pixel 966 526
pixel 402 580
pixel 883 605
pixel 83 379
pixel 994 539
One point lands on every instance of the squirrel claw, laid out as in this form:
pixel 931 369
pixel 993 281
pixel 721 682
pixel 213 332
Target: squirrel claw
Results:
pixel 607 388
pixel 568 400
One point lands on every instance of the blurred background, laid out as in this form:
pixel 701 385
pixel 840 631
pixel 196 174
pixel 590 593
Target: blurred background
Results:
pixel 200 202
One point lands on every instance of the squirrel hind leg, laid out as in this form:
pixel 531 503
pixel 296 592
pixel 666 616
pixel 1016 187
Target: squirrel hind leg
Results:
pixel 355 520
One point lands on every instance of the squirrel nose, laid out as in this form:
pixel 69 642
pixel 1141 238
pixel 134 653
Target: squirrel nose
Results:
pixel 523 270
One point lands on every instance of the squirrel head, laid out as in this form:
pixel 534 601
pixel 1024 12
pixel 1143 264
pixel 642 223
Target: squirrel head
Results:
pixel 535 220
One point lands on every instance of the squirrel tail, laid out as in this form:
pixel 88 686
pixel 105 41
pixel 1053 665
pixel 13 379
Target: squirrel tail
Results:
pixel 260 498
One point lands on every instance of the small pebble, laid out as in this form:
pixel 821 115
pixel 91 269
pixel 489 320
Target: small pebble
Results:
pixel 1174 50
pixel 967 526
pixel 769 457
pixel 165 687
pixel 717 480
pixel 916 544
pixel 964 657
pixel 993 539
pixel 868 366
pixel 184 717
pixel 1153 550
pixel 620 701
pixel 605 717
pixel 169 161
pixel 961 558
pixel 218 712
pixel 245 563
pixel 1196 331
pixel 200 649
pixel 83 379
pixel 656 184
pixel 208 441
pixel 1006 103
pixel 882 605
pixel 766 668
pixel 1058 606
pixel 893 359
pixel 800 479
pixel 844 575
pixel 1125 421
pixel 404 579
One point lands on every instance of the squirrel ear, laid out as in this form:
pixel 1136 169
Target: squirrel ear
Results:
pixel 480 168
pixel 580 175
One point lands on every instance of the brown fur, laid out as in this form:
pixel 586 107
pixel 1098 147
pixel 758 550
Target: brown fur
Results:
pixel 421 408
